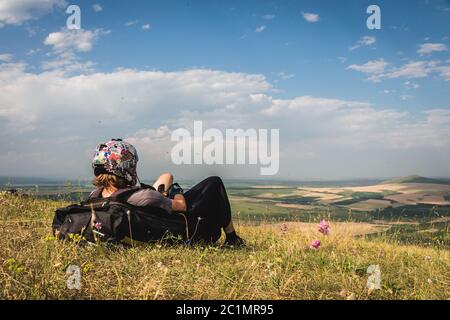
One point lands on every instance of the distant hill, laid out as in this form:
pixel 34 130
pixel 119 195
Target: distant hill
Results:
pixel 416 179
pixel 27 181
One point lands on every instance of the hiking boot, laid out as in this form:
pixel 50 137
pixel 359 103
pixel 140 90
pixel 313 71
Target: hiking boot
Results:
pixel 235 242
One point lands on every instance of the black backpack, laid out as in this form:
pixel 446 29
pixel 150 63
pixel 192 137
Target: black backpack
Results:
pixel 114 220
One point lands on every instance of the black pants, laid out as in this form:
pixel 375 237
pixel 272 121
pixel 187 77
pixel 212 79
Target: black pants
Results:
pixel 208 210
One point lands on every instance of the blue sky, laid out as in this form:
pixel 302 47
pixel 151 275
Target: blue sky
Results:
pixel 221 35
pixel 378 98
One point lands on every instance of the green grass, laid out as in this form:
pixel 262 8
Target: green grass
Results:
pixel 419 212
pixel 430 234
pixel 266 211
pixel 416 179
pixel 357 197
pixel 263 210
pixel 257 192
pixel 274 265
pixel 387 193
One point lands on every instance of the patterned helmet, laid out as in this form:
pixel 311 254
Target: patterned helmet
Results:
pixel 116 157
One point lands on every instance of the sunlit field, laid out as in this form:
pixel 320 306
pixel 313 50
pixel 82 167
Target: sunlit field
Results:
pixel 278 262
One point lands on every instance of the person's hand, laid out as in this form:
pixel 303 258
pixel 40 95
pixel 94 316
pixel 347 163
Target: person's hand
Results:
pixel 179 203
pixel 173 190
pixel 161 190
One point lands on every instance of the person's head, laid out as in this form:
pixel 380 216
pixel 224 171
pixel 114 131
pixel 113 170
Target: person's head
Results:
pixel 115 164
pixel 108 180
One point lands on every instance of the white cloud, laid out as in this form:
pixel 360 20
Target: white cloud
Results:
pixel 33 51
pixel 102 95
pixel 428 48
pixel 130 23
pixel 444 72
pixel 148 135
pixel 311 17
pixel 373 67
pixel 364 41
pixel 410 70
pixel 15 12
pixel 269 16
pixel 97 7
pixel 285 76
pixel 411 85
pixel 405 97
pixel 260 29
pixel 76 40
pixel 67 44
pixel 6 57
pixel 308 104
pixel 146 105
pixel 146 26
pixel 367 40
pixel 69 65
pixel 32 31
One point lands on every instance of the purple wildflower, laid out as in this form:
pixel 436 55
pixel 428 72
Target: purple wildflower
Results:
pixel 98 225
pixel 324 227
pixel 315 244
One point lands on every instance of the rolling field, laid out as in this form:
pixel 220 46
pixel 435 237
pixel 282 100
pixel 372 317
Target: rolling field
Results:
pixel 278 262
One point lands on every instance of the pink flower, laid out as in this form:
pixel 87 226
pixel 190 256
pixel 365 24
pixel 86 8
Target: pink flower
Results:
pixel 284 227
pixel 324 227
pixel 315 244
pixel 98 225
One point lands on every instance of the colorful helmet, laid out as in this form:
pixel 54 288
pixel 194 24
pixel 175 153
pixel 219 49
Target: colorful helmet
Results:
pixel 116 157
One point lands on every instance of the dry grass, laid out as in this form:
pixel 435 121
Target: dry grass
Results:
pixel 277 264
pixel 408 193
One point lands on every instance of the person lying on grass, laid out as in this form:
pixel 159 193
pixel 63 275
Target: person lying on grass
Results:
pixel 114 167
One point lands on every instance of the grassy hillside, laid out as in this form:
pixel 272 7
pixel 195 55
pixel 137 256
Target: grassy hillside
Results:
pixel 415 179
pixel 277 264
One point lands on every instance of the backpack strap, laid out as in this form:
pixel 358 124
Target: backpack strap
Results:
pixel 147 186
pixel 95 194
pixel 121 195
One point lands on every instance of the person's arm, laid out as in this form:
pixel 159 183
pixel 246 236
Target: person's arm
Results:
pixel 179 203
pixel 152 198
